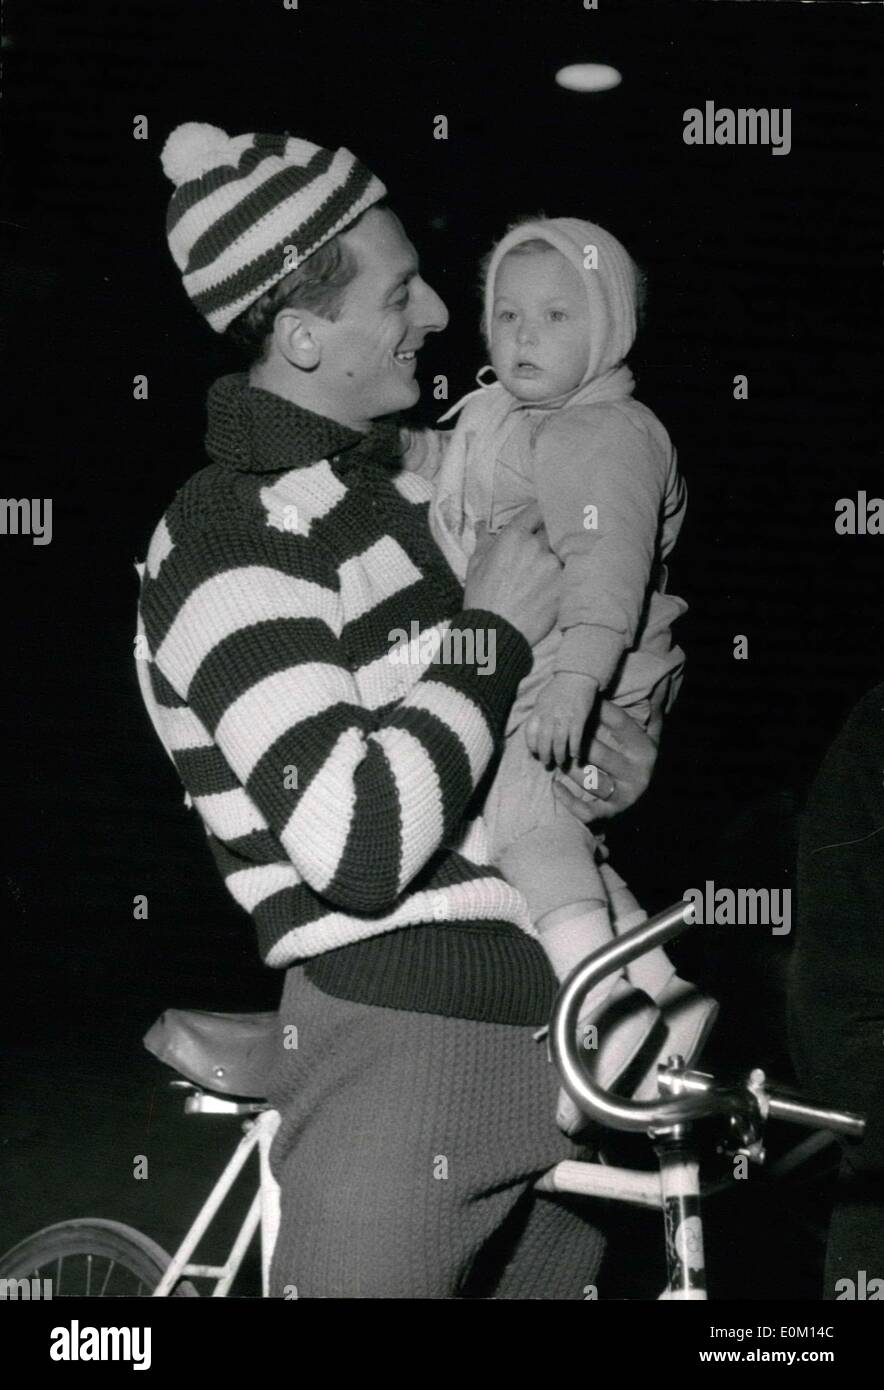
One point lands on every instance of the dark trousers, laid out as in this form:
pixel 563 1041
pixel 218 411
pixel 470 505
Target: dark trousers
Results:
pixel 407 1153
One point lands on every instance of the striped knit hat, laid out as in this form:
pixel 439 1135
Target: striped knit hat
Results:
pixel 241 200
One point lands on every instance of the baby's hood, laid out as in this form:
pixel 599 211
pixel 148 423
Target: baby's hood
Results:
pixel 610 286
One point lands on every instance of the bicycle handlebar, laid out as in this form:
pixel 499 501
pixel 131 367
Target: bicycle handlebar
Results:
pixel 699 1096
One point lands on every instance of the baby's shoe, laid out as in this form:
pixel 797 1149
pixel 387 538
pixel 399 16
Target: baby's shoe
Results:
pixel 689 1016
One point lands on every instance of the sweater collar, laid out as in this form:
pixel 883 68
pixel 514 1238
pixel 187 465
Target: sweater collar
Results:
pixel 255 431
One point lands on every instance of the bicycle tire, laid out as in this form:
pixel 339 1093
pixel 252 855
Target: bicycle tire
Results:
pixel 92 1241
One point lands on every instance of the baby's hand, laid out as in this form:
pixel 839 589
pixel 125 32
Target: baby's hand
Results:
pixel 554 731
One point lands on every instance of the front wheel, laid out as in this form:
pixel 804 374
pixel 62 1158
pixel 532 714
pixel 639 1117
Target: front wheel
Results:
pixel 90 1259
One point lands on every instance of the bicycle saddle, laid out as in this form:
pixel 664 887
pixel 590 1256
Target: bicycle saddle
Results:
pixel 227 1053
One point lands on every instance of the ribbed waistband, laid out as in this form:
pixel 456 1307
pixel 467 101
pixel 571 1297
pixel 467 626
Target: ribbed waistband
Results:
pixel 488 971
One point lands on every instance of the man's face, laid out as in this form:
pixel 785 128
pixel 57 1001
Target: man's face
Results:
pixel 539 325
pixel 369 352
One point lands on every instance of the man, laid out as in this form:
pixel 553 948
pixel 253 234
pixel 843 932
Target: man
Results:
pixel 336 783
pixel 836 997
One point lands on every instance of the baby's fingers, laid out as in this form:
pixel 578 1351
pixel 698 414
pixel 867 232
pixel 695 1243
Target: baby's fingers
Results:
pixel 532 729
pixel 575 735
pixel 544 741
pixel 559 741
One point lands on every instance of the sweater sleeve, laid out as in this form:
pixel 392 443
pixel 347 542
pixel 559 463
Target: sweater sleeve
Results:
pixel 600 482
pixel 358 800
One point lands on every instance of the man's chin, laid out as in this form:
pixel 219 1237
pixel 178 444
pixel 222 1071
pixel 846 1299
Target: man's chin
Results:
pixel 395 402
pixel 407 395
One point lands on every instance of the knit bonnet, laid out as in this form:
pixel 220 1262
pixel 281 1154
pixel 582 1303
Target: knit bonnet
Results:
pixel 610 279
pixel 249 209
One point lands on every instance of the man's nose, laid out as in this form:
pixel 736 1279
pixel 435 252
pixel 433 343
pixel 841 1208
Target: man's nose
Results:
pixel 431 314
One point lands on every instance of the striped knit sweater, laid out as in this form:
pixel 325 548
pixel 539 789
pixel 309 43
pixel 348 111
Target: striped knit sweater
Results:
pixel 334 784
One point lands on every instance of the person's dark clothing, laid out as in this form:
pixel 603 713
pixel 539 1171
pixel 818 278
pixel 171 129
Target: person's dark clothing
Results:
pixel 836 1018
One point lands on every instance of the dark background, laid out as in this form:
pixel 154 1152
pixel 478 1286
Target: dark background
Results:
pixel 758 264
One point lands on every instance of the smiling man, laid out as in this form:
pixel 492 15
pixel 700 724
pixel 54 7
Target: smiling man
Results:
pixel 336 784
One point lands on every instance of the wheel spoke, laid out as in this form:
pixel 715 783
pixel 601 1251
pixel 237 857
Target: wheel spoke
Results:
pixel 102 1259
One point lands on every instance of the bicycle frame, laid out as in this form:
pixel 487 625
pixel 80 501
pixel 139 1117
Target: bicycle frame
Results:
pixel 685 1096
pixel 259 1134
pixel 674 1190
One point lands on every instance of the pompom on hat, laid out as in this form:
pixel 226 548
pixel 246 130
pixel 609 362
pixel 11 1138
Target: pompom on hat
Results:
pixel 242 202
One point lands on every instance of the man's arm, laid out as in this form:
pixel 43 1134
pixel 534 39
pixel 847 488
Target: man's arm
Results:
pixel 359 802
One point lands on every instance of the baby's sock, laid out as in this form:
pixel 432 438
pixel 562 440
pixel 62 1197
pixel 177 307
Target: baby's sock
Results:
pixel 688 1014
pixel 570 934
pixel 623 1017
pixel 652 971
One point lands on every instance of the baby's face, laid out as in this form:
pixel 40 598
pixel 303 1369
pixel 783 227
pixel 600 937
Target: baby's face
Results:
pixel 539 325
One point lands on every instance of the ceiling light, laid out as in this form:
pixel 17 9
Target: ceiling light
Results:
pixel 588 77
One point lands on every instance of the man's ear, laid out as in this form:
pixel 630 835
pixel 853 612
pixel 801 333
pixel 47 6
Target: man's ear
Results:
pixel 295 337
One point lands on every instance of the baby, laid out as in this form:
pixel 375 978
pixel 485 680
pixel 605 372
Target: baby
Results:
pixel 560 428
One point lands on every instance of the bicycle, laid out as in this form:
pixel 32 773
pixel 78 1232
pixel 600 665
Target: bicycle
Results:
pixel 220 1060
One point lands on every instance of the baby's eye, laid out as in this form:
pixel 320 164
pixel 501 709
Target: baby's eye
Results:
pixel 506 315
pixel 558 315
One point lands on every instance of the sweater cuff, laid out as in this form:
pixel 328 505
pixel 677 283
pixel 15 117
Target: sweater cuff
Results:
pixel 485 657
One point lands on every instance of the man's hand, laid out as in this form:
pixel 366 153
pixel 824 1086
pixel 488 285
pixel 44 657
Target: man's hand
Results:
pixel 516 575
pixel 623 756
pixel 555 730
